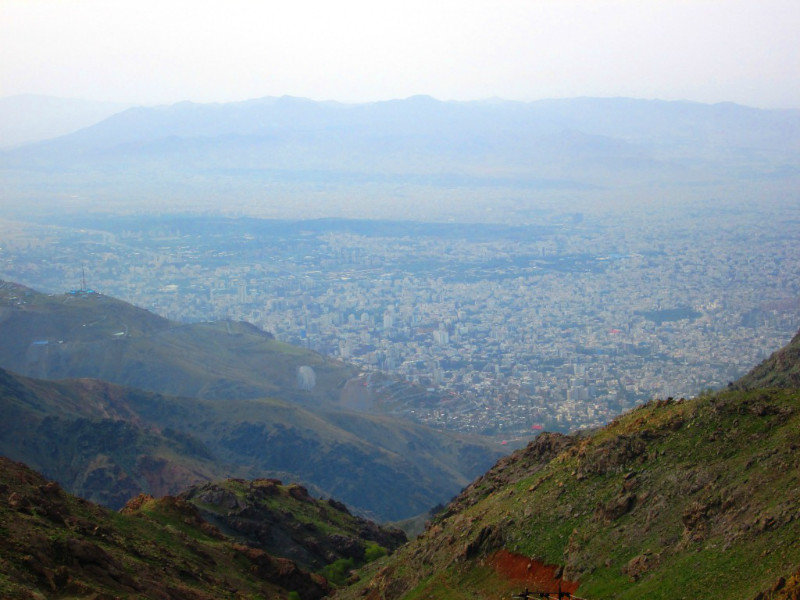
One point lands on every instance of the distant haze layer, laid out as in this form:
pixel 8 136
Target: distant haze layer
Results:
pixel 416 158
pixel 354 50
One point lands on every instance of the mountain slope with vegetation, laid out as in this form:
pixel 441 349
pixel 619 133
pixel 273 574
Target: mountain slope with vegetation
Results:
pixel 108 443
pixel 85 334
pixel 675 499
pixel 286 521
pixel 58 546
pixel 781 369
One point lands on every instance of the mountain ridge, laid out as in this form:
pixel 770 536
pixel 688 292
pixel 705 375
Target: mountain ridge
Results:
pixel 109 443
pixel 160 443
pixel 625 120
pixel 290 146
pixel 87 334
pixel 30 118
pixel 780 369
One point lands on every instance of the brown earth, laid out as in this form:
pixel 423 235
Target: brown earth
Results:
pixel 531 573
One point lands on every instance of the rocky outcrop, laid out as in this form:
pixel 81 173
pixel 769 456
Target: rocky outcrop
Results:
pixel 784 588
pixel 284 572
pixel 287 521
pixel 58 546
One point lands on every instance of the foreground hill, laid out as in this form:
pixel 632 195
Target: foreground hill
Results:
pixel 87 435
pixel 108 443
pixel 58 546
pixel 286 521
pixel 676 499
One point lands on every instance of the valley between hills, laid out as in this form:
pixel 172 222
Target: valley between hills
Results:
pixel 678 498
pixel 241 411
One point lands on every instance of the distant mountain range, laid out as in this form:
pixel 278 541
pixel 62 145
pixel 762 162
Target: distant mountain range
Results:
pixel 694 498
pixel 232 151
pixel 30 118
pixel 107 442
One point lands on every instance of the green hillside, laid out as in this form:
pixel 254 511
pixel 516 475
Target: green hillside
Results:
pixel 55 545
pixel 108 443
pixel 676 499
pixel 86 434
pixel 90 335
pixel 86 334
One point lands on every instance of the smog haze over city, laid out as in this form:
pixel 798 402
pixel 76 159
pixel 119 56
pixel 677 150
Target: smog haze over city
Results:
pixel 540 213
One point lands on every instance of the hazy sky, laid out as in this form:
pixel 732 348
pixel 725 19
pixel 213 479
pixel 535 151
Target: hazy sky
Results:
pixel 746 51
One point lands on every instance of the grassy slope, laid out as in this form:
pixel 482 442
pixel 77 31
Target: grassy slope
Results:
pixel 390 468
pixel 672 500
pixel 59 546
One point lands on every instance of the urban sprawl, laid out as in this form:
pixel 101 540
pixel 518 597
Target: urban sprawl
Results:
pixel 555 326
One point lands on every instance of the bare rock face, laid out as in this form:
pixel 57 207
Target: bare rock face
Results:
pixel 638 566
pixel 135 503
pixel 619 452
pixel 298 492
pixel 616 508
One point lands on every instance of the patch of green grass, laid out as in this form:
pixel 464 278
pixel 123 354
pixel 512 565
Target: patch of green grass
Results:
pixel 373 552
pixel 339 571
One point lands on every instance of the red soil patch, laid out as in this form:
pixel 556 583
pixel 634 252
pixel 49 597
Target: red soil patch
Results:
pixel 531 573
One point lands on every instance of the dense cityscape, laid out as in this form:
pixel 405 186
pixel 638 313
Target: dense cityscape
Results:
pixel 557 325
